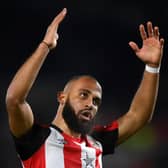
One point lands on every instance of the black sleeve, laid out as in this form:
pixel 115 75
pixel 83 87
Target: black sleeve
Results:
pixel 107 136
pixel 31 141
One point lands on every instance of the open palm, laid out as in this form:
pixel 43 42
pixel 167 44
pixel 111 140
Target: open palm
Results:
pixel 152 47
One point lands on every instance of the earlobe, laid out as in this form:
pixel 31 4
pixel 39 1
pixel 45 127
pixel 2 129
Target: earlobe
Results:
pixel 61 97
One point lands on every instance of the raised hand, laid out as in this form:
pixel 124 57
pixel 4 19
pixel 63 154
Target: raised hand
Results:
pixel 51 35
pixel 152 48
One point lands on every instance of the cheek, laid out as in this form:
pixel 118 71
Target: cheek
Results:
pixel 95 111
pixel 77 106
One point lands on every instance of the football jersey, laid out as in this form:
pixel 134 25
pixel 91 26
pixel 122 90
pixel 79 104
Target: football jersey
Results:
pixel 50 147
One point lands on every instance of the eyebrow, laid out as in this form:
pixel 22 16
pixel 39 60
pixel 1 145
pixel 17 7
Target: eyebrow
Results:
pixel 88 91
pixel 85 90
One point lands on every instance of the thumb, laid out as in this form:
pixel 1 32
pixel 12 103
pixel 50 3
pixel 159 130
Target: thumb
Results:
pixel 134 46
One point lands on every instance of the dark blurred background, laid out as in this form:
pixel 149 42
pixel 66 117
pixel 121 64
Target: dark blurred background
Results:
pixel 93 39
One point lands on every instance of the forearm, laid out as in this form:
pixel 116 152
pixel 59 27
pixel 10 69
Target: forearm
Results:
pixel 141 108
pixel 26 75
pixel 144 101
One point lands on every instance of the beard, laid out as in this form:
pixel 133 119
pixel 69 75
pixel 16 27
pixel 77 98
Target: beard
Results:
pixel 74 123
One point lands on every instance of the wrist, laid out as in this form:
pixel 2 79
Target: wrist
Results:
pixel 152 69
pixel 46 44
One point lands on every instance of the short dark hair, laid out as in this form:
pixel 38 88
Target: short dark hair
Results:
pixel 77 77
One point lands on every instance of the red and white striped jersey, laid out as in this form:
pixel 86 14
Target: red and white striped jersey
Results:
pixel 49 147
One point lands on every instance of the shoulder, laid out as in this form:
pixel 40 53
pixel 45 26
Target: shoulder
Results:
pixel 29 143
pixel 106 128
pixel 107 135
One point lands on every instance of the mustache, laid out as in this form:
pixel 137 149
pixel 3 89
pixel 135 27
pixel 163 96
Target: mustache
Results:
pixel 74 121
pixel 87 112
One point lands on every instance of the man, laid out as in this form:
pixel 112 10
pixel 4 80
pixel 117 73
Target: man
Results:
pixel 72 140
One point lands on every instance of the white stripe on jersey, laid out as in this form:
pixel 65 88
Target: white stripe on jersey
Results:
pixel 54 150
pixel 88 156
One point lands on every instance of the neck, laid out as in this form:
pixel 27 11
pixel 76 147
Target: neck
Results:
pixel 60 123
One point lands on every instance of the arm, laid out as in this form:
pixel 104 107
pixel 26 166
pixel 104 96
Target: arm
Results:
pixel 19 112
pixel 143 103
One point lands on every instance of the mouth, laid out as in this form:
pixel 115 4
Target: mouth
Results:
pixel 86 115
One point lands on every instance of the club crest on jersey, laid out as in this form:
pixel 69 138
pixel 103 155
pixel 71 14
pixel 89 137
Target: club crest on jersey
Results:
pixel 88 162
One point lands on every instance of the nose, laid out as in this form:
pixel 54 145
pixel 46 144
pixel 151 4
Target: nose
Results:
pixel 89 104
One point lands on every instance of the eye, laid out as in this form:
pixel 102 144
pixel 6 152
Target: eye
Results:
pixel 96 101
pixel 83 94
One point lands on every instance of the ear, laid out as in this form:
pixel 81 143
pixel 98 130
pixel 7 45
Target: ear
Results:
pixel 61 97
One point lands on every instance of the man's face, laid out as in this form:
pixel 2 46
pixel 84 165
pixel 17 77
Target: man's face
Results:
pixel 74 122
pixel 82 105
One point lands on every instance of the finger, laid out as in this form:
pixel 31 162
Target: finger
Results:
pixel 156 32
pixel 142 32
pixel 162 42
pixel 162 45
pixel 58 19
pixel 134 46
pixel 150 29
pixel 57 36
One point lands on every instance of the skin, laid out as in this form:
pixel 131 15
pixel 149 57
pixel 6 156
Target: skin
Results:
pixel 83 92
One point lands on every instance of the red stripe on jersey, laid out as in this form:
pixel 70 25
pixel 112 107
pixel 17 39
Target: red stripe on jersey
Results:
pixel 72 153
pixel 97 158
pixel 37 160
